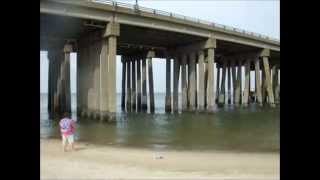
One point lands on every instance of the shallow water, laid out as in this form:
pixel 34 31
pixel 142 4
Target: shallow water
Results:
pixel 251 129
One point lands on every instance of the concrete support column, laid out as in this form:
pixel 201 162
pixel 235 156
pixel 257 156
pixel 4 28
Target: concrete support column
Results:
pixel 205 82
pixel 201 97
pixel 133 85
pixel 192 81
pixel 96 80
pixel 223 85
pixel 128 84
pixel 229 83
pixel 210 86
pixel 50 82
pixel 234 80
pixel 247 81
pixel 238 84
pixel 67 90
pixel 83 77
pixel 184 82
pixel 275 83
pixel 150 55
pixel 176 72
pixel 218 83
pixel 108 71
pixel 123 84
pixel 144 105
pixel 266 69
pixel 168 85
pixel 79 80
pixel 258 82
pixel 104 108
pixel 138 84
pixel 263 86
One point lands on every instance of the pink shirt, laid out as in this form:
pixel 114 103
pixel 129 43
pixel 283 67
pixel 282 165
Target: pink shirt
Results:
pixel 67 126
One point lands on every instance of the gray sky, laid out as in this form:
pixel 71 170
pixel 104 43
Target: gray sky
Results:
pixel 262 16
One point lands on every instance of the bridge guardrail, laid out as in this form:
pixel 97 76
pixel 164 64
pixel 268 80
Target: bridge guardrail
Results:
pixel 186 18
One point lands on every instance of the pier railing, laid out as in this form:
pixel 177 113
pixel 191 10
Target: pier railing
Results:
pixel 182 17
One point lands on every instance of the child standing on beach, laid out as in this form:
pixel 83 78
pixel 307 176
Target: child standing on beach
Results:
pixel 67 128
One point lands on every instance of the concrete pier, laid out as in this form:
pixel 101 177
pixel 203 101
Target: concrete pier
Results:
pixel 168 85
pixel 184 95
pixel 92 31
pixel 201 95
pixel 138 83
pixel 150 55
pixel 176 72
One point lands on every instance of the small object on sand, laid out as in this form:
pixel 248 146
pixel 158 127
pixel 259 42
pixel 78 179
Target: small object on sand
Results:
pixel 158 157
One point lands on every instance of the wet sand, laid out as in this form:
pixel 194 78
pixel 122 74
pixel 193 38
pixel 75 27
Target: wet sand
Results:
pixel 108 162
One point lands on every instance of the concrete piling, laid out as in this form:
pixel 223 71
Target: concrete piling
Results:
pixel 168 85
pixel 184 95
pixel 176 72
pixel 201 97
pixel 150 55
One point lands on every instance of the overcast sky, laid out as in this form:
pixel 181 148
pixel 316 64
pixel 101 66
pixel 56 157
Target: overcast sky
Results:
pixel 262 16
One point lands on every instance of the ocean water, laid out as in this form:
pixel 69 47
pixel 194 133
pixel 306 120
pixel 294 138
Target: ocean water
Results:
pixel 251 129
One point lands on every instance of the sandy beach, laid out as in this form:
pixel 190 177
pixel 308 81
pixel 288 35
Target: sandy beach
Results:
pixel 108 162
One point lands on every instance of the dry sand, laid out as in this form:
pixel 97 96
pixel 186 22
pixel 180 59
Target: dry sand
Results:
pixel 108 162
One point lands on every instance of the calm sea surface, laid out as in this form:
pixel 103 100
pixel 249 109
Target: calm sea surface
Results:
pixel 251 129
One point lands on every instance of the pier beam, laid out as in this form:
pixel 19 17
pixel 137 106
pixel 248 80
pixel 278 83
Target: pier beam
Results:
pixel 176 72
pixel 201 97
pixel 258 82
pixel 211 45
pixel 192 81
pixel 184 92
pixel 138 84
pixel 150 55
pixel 168 85
pixel 246 86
